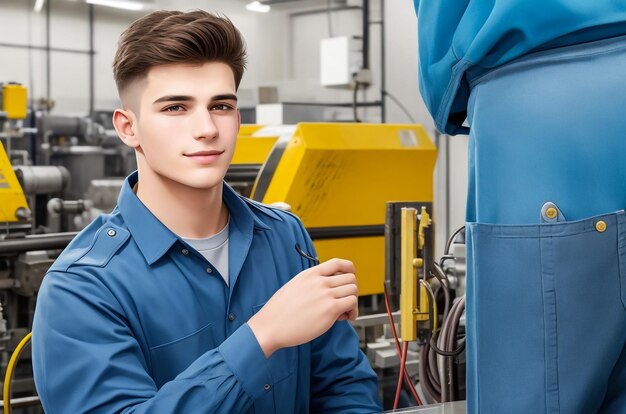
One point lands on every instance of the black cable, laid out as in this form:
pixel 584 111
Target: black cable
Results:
pixel 330 18
pixel 397 102
pixel 304 254
pixel 446 251
pixel 31 82
pixel 445 285
pixel 433 372
pixel 440 386
pixel 444 258
pixel 430 393
pixel 433 343
pixel 354 101
pixel 451 340
pixel 434 347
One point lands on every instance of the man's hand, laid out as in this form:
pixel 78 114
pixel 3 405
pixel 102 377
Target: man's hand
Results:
pixel 307 306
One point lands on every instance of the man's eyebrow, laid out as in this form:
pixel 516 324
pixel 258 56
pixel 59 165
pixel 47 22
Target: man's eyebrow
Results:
pixel 172 98
pixel 185 98
pixel 225 97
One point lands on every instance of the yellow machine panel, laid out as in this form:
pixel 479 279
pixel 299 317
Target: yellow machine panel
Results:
pixel 12 197
pixel 252 146
pixel 248 129
pixel 342 176
pixel 253 150
pixel 368 255
pixel 14 101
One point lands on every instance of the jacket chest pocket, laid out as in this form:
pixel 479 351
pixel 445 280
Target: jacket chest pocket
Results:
pixel 283 362
pixel 172 358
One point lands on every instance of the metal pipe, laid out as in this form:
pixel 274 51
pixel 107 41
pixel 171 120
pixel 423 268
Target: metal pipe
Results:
pixel 366 34
pixel 325 10
pixel 91 61
pixel 44 48
pixel 447 175
pixel 50 241
pixel 23 402
pixel 319 233
pixel 383 59
pixel 42 179
pixel 48 65
pixel 335 104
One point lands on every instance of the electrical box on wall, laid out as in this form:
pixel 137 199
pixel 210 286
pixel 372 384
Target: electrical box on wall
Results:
pixel 340 61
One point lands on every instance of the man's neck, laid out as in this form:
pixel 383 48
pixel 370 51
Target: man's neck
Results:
pixel 188 212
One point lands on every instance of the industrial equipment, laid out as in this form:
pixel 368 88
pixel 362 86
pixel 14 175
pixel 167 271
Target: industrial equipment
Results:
pixel 338 178
pixel 13 103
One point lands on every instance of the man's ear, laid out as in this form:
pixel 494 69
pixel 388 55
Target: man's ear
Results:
pixel 124 121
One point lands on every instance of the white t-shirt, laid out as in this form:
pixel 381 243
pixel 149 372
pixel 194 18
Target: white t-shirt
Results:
pixel 215 250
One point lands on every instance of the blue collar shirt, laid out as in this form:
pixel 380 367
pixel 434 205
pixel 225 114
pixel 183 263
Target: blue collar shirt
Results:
pixel 131 319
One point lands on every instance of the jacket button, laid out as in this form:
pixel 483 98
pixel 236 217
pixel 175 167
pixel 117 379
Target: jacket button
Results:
pixel 209 270
pixel 185 252
pixel 267 387
pixel 111 233
pixel 231 316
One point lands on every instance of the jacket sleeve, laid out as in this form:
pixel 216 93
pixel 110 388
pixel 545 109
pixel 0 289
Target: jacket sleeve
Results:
pixel 342 379
pixel 87 359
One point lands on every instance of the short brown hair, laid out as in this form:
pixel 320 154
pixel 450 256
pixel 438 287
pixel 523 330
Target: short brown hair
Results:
pixel 168 37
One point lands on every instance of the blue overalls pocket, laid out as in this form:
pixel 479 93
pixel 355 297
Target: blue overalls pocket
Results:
pixel 539 297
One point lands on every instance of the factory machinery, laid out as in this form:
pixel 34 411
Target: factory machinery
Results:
pixel 363 191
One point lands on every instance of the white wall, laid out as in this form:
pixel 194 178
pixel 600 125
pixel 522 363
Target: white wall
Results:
pixel 402 81
pixel 302 83
pixel 69 29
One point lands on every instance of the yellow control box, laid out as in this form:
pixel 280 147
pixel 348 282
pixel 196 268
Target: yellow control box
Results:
pixel 14 101
pixel 12 199
pixel 339 177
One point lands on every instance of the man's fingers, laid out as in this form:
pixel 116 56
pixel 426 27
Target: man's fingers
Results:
pixel 346 304
pixel 333 266
pixel 345 290
pixel 349 316
pixel 340 280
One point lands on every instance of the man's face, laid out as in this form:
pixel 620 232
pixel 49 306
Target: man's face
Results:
pixel 187 122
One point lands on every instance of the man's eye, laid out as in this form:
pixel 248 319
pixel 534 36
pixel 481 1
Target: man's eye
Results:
pixel 221 107
pixel 173 108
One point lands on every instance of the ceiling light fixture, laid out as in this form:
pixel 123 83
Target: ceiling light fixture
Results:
pixel 118 4
pixel 38 5
pixel 256 6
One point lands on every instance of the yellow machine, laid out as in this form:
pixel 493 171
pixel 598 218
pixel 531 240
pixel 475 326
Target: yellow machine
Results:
pixel 412 310
pixel 254 144
pixel 253 147
pixel 13 100
pixel 338 178
pixel 13 205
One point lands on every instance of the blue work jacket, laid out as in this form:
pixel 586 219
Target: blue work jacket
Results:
pixel 458 38
pixel 131 319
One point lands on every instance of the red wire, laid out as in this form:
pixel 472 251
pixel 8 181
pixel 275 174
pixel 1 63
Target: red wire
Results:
pixel 405 347
pixel 397 343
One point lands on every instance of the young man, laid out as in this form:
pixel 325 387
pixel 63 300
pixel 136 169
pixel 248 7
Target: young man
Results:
pixel 188 298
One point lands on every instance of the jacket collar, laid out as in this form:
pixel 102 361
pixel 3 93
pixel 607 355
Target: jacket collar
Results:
pixel 154 239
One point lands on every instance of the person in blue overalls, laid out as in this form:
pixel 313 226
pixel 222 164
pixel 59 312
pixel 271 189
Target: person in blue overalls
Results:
pixel 540 86
pixel 188 298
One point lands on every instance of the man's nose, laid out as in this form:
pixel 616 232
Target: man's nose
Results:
pixel 203 126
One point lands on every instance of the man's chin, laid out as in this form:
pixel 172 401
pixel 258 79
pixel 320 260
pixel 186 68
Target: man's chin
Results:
pixel 203 184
